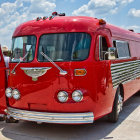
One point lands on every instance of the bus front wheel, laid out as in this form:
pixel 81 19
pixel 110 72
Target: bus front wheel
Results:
pixel 2 118
pixel 11 120
pixel 117 107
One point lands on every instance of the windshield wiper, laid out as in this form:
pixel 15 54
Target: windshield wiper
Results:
pixel 62 72
pixel 13 70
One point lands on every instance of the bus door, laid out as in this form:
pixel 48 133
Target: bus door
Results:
pixel 2 84
pixel 103 74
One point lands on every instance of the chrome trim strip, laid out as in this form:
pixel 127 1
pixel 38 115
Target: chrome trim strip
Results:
pixel 64 118
pixel 128 62
pixel 36 68
pixel 125 72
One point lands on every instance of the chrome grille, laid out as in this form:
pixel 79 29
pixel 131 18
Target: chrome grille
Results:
pixel 124 72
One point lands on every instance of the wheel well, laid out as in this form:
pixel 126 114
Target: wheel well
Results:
pixel 121 90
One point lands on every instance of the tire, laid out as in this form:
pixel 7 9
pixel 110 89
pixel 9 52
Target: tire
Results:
pixel 2 118
pixel 117 107
pixel 11 120
pixel 138 93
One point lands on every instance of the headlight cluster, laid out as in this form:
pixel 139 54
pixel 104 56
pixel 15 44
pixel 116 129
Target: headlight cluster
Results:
pixel 77 96
pixel 62 96
pixel 12 93
pixel 8 92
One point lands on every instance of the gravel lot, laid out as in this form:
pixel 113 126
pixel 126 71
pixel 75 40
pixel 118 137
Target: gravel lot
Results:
pixel 127 128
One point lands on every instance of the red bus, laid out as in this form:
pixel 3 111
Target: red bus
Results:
pixel 2 86
pixel 71 70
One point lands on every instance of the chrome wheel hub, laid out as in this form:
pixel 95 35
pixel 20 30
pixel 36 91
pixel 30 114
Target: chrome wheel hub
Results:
pixel 120 103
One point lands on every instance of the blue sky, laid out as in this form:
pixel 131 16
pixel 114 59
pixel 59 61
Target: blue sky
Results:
pixel 122 13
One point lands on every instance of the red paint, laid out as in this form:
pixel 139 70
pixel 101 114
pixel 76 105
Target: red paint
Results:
pixel 2 84
pixel 97 86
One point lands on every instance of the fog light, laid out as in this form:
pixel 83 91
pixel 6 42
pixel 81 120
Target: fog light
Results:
pixel 62 96
pixel 77 95
pixel 8 92
pixel 16 94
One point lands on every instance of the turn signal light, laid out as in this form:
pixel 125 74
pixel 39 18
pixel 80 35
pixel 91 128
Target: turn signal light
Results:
pixel 80 72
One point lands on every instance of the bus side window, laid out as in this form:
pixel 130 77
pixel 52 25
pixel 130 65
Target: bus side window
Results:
pixel 122 49
pixel 114 45
pixel 102 48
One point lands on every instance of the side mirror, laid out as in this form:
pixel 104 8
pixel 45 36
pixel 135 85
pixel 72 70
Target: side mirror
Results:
pixel 111 53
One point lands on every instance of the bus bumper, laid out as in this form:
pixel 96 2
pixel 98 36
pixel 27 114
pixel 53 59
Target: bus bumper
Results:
pixel 45 117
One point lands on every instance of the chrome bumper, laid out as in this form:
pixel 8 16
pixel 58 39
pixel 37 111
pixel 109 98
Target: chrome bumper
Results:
pixel 2 115
pixel 40 117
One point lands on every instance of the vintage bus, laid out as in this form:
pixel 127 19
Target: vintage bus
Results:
pixel 71 70
pixel 3 82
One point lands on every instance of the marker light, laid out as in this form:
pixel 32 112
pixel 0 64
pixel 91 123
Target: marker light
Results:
pixel 51 17
pixel 38 18
pixel 8 92
pixel 62 96
pixel 54 13
pixel 80 72
pixel 16 94
pixel 101 21
pixel 77 95
pixel 44 18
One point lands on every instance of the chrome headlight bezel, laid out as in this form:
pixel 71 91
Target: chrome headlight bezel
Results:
pixel 16 94
pixel 62 96
pixel 8 92
pixel 77 95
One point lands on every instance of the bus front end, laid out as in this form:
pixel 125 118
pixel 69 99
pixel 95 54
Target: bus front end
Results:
pixel 51 74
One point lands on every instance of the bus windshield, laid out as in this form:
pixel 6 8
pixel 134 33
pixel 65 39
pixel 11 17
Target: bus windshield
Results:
pixel 22 46
pixel 64 46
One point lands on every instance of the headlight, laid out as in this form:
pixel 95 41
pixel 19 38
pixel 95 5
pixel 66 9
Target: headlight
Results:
pixel 77 95
pixel 62 96
pixel 16 94
pixel 8 92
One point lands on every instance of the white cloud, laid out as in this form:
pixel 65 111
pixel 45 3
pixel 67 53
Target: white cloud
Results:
pixel 41 6
pixel 15 13
pixel 101 7
pixel 136 28
pixel 70 0
pixel 133 12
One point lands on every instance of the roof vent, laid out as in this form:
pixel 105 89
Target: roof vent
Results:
pixel 54 14
pixel 131 30
pixel 62 14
